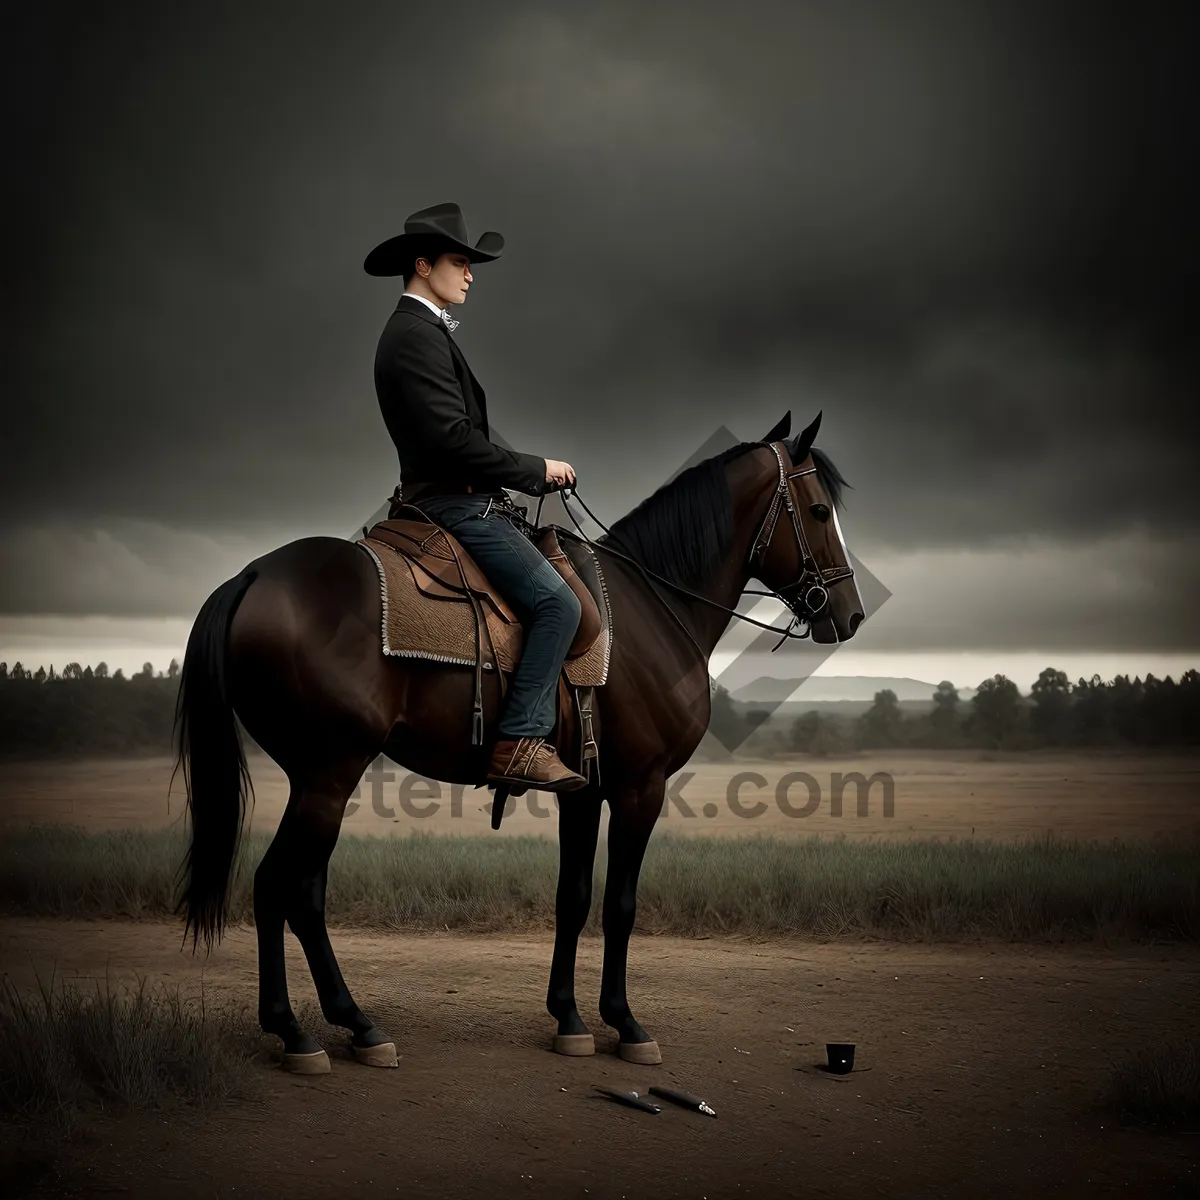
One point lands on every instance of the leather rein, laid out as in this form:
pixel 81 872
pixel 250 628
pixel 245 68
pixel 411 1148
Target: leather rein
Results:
pixel 806 598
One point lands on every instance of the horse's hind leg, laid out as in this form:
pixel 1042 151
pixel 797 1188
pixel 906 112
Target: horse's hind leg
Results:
pixel 307 920
pixel 578 829
pixel 291 884
pixel 301 1053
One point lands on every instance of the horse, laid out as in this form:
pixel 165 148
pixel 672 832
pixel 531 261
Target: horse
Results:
pixel 290 647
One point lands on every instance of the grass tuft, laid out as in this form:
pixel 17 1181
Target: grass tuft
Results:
pixel 67 1048
pixel 1159 1087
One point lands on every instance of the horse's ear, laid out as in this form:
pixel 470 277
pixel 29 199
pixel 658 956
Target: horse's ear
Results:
pixel 781 430
pixel 802 443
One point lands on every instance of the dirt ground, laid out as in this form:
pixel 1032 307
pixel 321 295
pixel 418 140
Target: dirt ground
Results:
pixel 957 794
pixel 980 1068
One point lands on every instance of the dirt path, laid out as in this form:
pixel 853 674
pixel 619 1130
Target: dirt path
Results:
pixel 981 1068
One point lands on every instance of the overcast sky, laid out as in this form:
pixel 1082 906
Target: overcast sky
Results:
pixel 963 230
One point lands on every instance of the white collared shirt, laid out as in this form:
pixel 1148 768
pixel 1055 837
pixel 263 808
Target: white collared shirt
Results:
pixel 429 304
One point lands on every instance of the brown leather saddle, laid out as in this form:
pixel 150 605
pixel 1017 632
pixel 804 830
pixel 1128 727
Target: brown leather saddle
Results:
pixel 451 612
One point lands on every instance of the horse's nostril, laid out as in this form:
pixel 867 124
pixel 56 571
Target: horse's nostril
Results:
pixel 855 621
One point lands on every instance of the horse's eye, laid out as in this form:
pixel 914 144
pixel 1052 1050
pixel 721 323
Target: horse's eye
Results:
pixel 820 511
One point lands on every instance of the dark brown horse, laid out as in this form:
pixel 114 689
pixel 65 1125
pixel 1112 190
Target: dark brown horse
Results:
pixel 292 647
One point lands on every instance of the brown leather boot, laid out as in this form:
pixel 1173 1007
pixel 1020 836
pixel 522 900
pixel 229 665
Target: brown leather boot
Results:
pixel 531 762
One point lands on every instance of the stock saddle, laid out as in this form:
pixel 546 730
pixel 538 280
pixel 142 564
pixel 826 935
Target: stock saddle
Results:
pixel 439 605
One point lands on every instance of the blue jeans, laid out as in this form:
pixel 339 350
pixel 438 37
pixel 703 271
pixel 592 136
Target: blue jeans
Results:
pixel 543 601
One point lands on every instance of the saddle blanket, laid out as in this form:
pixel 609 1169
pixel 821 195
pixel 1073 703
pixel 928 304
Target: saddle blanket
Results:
pixel 417 625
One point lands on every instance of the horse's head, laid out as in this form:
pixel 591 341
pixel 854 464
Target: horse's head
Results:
pixel 799 552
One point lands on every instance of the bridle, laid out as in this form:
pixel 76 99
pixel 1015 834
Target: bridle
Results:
pixel 807 598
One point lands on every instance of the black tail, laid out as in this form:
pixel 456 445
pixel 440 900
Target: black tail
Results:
pixel 215 774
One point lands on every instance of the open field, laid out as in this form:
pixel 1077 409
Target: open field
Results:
pixel 983 1058
pixel 1044 890
pixel 951 794
pixel 979 1063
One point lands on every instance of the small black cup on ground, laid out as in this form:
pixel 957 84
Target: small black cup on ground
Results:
pixel 841 1057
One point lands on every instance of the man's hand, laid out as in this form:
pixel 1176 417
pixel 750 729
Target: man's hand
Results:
pixel 561 473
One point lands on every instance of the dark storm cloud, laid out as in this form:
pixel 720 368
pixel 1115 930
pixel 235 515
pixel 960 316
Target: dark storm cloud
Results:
pixel 962 232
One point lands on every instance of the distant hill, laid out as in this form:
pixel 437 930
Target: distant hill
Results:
pixel 833 688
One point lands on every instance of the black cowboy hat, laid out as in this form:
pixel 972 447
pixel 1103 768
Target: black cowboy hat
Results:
pixel 441 229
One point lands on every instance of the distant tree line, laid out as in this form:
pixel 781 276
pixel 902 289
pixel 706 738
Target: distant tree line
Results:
pixel 86 710
pixel 1091 712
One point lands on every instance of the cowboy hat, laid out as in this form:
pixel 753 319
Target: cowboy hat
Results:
pixel 442 228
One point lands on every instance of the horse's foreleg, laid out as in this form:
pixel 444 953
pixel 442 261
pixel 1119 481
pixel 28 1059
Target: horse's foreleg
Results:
pixel 578 831
pixel 634 812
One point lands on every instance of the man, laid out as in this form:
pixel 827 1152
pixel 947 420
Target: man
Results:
pixel 434 409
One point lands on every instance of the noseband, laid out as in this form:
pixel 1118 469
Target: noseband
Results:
pixel 808 596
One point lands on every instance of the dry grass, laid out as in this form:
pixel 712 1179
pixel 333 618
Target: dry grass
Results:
pixel 1159 1087
pixel 1043 889
pixel 66 1049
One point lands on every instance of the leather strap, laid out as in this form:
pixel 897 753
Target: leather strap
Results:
pixel 416 492
pixel 589 754
pixel 481 625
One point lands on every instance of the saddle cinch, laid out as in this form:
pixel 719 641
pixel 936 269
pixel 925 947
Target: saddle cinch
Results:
pixel 438 604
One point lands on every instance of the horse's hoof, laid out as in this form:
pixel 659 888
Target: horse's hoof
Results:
pixel 574 1045
pixel 383 1055
pixel 645 1054
pixel 316 1063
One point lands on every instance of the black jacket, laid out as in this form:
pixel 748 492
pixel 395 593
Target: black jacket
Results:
pixel 435 411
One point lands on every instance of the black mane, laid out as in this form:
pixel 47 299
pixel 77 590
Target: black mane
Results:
pixel 682 531
pixel 830 477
